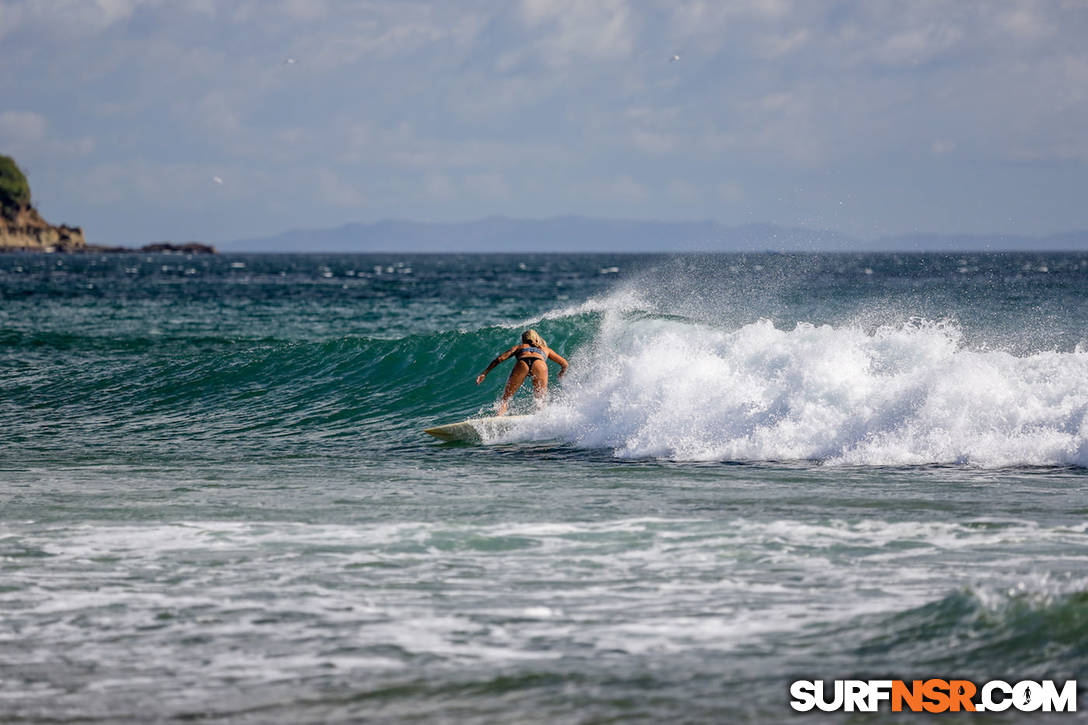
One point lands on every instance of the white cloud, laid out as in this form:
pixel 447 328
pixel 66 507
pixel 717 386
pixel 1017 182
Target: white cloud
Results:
pixel 777 45
pixel 403 105
pixel 64 18
pixel 1024 22
pixel 216 112
pixel 26 134
pixel 573 31
pixel 304 10
pixel 21 128
pixel 380 33
pixel 653 142
pixel 918 44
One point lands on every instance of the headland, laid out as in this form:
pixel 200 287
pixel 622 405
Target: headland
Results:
pixel 22 228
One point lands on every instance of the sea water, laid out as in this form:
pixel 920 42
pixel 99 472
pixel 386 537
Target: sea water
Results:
pixel 217 503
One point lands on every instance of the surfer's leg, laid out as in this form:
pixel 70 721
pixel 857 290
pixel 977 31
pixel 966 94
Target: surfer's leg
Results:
pixel 540 379
pixel 517 377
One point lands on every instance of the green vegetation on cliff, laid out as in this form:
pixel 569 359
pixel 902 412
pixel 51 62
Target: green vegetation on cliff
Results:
pixel 14 189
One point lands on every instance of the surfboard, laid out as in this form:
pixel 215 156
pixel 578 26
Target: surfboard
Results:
pixel 475 430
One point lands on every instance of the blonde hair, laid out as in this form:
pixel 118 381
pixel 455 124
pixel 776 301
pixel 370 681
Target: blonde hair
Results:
pixel 531 337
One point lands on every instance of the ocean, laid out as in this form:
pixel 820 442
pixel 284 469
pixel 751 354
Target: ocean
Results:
pixel 217 502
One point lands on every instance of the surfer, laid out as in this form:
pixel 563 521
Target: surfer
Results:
pixel 532 355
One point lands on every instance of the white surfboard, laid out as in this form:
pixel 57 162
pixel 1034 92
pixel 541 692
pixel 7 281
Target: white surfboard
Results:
pixel 476 430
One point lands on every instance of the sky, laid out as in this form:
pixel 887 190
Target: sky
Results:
pixel 146 120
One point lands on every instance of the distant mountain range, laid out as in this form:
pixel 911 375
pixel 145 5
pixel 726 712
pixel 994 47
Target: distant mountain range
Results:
pixel 583 234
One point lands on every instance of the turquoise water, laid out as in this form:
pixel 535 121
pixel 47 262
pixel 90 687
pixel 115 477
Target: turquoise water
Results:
pixel 217 502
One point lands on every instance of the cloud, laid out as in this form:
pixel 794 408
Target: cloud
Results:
pixel 777 45
pixel 546 105
pixel 653 142
pixel 64 19
pixel 918 44
pixel 26 134
pixel 568 32
pixel 19 128
pixel 217 112
pixel 373 33
pixel 1024 22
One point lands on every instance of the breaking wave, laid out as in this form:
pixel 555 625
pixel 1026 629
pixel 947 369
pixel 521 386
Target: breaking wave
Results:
pixel 910 393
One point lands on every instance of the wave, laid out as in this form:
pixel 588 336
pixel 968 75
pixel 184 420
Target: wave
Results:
pixel 1032 633
pixel 162 388
pixel 912 393
pixel 657 373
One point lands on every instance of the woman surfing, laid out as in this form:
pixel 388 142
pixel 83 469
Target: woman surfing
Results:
pixel 532 355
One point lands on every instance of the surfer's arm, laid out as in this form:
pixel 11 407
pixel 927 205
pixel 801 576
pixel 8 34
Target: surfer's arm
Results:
pixel 556 357
pixel 504 356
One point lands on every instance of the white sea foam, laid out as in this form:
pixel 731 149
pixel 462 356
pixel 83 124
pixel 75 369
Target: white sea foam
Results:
pixel 274 601
pixel 904 394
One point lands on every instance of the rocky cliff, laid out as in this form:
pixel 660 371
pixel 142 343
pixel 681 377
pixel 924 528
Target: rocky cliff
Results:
pixel 21 227
pixel 25 229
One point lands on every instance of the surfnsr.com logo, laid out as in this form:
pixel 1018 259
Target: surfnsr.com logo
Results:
pixel 933 695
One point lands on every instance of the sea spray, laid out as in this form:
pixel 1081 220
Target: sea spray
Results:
pixel 909 394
